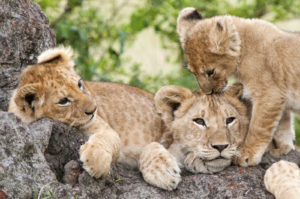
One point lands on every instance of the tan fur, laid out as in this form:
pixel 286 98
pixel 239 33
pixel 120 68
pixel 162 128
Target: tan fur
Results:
pixel 195 146
pixel 282 179
pixel 122 122
pixel 265 59
pixel 159 167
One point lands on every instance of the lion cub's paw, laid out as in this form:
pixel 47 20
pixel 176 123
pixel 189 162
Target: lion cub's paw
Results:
pixel 159 167
pixel 96 160
pixel 248 157
pixel 282 179
pixel 281 149
pixel 194 164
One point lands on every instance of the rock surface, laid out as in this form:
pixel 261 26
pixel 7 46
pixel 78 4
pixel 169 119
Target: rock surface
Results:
pixel 33 158
pixel 38 160
pixel 24 34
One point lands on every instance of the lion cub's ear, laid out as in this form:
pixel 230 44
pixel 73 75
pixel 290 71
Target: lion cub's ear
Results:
pixel 27 97
pixel 187 18
pixel 57 55
pixel 235 90
pixel 168 99
pixel 224 39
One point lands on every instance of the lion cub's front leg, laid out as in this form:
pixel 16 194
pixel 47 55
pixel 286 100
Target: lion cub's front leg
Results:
pixel 159 167
pixel 100 151
pixel 264 121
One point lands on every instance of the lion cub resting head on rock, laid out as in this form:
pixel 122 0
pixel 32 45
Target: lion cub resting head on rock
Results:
pixel 206 129
pixel 202 132
pixel 263 58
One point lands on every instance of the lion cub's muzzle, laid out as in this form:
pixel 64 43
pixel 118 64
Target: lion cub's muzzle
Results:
pixel 91 112
pixel 195 164
pixel 220 147
pixel 90 117
pixel 211 160
pixel 210 88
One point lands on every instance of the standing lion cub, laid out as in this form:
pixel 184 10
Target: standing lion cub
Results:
pixel 202 132
pixel 265 59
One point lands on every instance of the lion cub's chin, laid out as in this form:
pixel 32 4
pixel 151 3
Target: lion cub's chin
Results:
pixel 89 122
pixel 196 165
pixel 217 165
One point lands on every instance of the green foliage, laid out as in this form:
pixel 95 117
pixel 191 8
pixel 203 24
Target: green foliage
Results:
pixel 100 32
pixel 44 193
pixel 100 36
pixel 297 130
pixel 47 3
pixel 118 180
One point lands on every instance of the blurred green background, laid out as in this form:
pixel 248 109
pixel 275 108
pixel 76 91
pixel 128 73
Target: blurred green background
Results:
pixel 135 41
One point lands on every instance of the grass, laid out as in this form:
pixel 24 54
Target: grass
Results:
pixel 297 129
pixel 44 193
pixel 118 180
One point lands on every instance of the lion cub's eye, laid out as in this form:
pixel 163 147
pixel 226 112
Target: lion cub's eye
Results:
pixel 80 84
pixel 229 120
pixel 210 72
pixel 199 121
pixel 64 101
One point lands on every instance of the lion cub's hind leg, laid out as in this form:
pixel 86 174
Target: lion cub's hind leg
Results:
pixel 284 136
pixel 159 167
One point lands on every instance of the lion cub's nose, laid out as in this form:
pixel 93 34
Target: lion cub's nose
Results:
pixel 91 112
pixel 220 148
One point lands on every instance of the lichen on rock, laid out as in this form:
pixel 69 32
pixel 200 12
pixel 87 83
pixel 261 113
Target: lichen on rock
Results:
pixel 41 158
pixel 24 34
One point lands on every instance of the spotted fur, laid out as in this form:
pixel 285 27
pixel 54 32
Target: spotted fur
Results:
pixel 282 179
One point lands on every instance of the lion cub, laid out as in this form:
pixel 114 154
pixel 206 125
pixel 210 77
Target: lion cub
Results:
pixel 265 59
pixel 282 179
pixel 123 125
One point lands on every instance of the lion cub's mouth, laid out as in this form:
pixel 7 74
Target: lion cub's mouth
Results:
pixel 89 121
pixel 217 161
pixel 92 117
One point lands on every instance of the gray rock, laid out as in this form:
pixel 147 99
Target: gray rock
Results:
pixel 24 34
pixel 23 165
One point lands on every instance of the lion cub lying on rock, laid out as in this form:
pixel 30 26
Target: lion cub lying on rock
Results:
pixel 201 132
